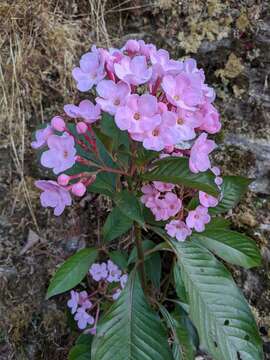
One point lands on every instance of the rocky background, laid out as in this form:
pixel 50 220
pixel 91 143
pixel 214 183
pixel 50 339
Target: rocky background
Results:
pixel 41 40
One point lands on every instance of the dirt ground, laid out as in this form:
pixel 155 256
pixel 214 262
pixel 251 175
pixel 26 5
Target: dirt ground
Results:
pixel 41 40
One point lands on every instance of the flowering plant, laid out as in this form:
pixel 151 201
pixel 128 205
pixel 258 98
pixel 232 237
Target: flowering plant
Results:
pixel 143 138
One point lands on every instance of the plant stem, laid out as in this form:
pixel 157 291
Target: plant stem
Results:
pixel 138 241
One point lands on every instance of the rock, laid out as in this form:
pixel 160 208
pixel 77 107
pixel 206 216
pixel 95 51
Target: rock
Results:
pixel 261 149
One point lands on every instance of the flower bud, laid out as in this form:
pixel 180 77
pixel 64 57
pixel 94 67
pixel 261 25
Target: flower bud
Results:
pixel 78 189
pixel 81 127
pixel 63 179
pixel 58 123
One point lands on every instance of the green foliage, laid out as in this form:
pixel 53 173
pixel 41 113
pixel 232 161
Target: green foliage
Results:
pixel 71 272
pixel 231 246
pixel 232 189
pixel 116 225
pixel 131 330
pixel 105 183
pixel 119 258
pixel 130 206
pixel 217 308
pixel 176 170
pixel 152 262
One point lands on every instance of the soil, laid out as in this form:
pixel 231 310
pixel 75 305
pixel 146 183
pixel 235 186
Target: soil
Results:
pixel 40 43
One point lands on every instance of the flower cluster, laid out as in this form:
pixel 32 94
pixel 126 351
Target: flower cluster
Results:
pixel 162 103
pixel 82 303
pixel 165 201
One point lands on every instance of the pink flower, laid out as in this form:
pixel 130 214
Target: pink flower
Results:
pixel 112 95
pixel 42 136
pixel 184 90
pixel 162 187
pixel 163 65
pixel 61 153
pixel 91 70
pixel 74 301
pixel 111 57
pixel 174 204
pixel 198 218
pixel 83 318
pixel 163 134
pixel 83 300
pixel 146 49
pixel 199 160
pixel 58 123
pixel 114 273
pixel 139 114
pixel 133 71
pixel 99 271
pixel 150 195
pixel 160 209
pixel 207 200
pixel 178 229
pixel 210 119
pixel 185 124
pixel 53 195
pixel 86 110
pixel 131 46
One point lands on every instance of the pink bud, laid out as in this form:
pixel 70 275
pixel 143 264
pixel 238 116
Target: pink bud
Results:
pixel 63 179
pixel 78 189
pixel 81 127
pixel 58 123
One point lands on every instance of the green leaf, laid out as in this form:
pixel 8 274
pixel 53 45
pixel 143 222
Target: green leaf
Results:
pixel 176 170
pixel 116 225
pixel 85 339
pixel 231 246
pixel 233 188
pixel 217 308
pixel 179 284
pixel 71 272
pixel 105 183
pixel 80 352
pixel 119 258
pixel 131 330
pixel 186 333
pixel 144 156
pixel 176 348
pixel 109 128
pixel 218 223
pixel 152 262
pixel 130 206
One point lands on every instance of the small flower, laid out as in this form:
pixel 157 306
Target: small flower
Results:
pixel 116 295
pixel 207 200
pixel 162 187
pixel 91 70
pixel 53 195
pixel 198 218
pixel 123 280
pixel 133 71
pixel 199 160
pixel 86 110
pixel 83 318
pixel 174 204
pixel 42 136
pixel 99 271
pixel 178 229
pixel 139 114
pixel 210 119
pixel 74 301
pixel 184 90
pixel 61 153
pixel 150 195
pixel 83 300
pixel 112 95
pixel 114 273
